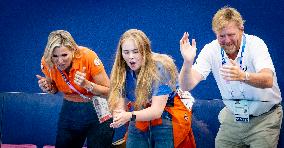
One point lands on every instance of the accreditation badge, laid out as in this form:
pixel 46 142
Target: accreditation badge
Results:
pixel 101 107
pixel 241 111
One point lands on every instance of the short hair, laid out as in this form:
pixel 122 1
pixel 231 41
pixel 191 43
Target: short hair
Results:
pixel 224 16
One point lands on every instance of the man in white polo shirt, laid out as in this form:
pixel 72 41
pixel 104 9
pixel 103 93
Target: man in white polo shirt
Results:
pixel 246 78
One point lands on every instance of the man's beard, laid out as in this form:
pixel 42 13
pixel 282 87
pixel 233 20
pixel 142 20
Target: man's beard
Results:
pixel 231 49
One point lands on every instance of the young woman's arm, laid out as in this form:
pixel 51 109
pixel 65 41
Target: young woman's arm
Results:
pixel 153 112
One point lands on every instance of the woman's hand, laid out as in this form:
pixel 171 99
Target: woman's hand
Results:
pixel 120 117
pixel 80 78
pixel 44 84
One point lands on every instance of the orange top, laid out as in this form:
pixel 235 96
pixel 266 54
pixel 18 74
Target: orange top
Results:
pixel 88 59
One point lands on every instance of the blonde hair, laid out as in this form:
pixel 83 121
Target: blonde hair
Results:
pixel 224 16
pixel 147 74
pixel 56 39
pixel 170 67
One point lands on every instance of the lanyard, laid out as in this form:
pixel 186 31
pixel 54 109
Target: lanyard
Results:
pixel 241 66
pixel 72 87
pixel 242 52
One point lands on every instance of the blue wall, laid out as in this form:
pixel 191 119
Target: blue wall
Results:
pixel 98 24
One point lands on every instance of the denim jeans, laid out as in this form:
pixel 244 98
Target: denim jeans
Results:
pixel 78 121
pixel 160 136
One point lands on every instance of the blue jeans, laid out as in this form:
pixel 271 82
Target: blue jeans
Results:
pixel 78 121
pixel 160 136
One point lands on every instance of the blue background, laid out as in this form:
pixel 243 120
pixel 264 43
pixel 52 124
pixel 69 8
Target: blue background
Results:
pixel 98 24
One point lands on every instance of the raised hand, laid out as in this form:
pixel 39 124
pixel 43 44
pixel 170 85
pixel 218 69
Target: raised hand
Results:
pixel 44 84
pixel 188 51
pixel 80 77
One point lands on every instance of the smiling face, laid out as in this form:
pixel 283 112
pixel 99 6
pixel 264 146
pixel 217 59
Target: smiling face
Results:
pixel 62 57
pixel 131 55
pixel 230 38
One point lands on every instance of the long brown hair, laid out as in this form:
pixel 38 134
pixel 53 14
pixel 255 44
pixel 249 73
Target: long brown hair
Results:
pixel 147 73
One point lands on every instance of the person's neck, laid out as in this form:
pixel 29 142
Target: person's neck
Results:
pixel 67 70
pixel 233 55
pixel 136 73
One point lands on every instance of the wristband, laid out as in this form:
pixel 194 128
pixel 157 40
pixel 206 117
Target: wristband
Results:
pixel 133 117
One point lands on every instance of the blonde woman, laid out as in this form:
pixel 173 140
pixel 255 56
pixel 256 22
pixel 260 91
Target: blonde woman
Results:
pixel 79 74
pixel 141 82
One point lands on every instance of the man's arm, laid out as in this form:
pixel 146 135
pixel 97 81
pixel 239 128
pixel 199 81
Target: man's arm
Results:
pixel 261 79
pixel 188 77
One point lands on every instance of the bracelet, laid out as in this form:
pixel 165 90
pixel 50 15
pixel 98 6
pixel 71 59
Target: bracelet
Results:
pixel 90 88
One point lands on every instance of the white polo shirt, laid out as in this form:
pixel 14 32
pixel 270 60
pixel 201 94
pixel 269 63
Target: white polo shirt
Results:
pixel 255 58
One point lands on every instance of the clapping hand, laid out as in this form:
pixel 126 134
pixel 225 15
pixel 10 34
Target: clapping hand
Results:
pixel 188 51
pixel 120 117
pixel 232 72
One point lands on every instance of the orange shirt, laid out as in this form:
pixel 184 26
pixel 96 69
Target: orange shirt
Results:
pixel 88 59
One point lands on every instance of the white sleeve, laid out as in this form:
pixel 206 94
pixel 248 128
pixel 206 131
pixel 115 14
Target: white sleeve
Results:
pixel 261 56
pixel 202 64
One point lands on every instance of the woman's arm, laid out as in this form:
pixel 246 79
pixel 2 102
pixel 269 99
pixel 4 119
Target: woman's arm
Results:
pixel 153 112
pixel 99 87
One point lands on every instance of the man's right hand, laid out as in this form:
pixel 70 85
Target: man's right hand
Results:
pixel 188 51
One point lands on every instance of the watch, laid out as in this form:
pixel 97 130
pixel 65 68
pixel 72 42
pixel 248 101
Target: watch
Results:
pixel 133 117
pixel 247 76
